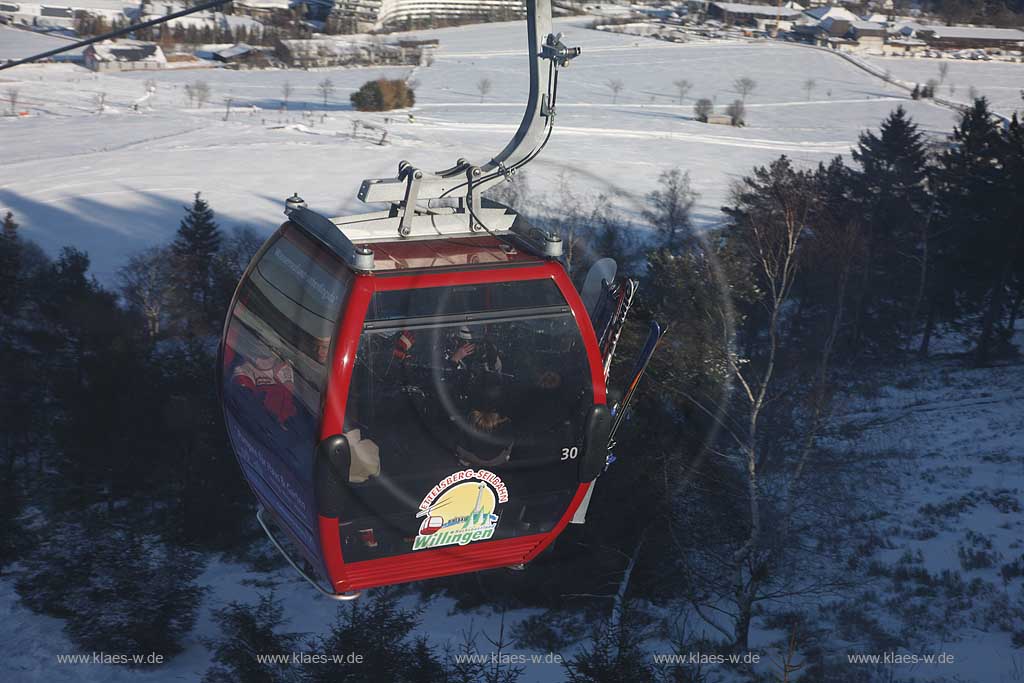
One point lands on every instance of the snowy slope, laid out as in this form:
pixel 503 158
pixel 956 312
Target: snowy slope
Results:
pixel 943 451
pixel 940 449
pixel 16 43
pixel 114 182
pixel 1000 82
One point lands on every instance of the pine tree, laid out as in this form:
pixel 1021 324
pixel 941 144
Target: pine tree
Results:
pixel 245 632
pixel 119 590
pixel 379 630
pixel 11 534
pixel 194 251
pixel 979 247
pixel 1014 164
pixel 10 264
pixel 893 204
pixel 616 653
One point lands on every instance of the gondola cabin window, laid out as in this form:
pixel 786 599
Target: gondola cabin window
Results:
pixel 471 397
pixel 276 360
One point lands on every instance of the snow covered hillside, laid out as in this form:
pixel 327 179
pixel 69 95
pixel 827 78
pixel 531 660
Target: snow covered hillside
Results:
pixel 115 181
pixel 938 447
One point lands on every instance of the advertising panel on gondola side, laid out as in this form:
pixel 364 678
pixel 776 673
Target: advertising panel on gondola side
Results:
pixel 275 364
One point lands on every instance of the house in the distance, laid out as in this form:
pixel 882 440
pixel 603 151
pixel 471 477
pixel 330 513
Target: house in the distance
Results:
pixel 124 55
pixel 243 56
pixel 819 14
pixel 968 37
pixel 355 50
pixel 763 17
pixel 869 35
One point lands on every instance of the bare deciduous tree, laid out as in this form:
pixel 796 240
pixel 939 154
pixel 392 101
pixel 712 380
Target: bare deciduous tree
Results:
pixel 771 233
pixel 326 88
pixel 616 86
pixel 682 87
pixel 744 86
pixel 145 285
pixel 11 95
pixel 201 93
pixel 483 86
pixel 286 93
pixel 809 85
pixel 702 109
pixel 670 207
pixel 737 111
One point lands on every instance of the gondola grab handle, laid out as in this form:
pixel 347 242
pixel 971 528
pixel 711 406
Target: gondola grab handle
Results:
pixel 273 539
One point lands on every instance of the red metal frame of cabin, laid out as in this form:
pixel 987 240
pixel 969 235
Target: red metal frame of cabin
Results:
pixel 346 577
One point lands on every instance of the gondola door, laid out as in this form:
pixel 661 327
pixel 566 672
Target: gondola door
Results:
pixel 458 422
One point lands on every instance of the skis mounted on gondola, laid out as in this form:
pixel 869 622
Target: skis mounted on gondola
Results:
pixel 654 336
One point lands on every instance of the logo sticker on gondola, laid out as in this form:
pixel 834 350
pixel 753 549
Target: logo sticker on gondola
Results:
pixel 461 509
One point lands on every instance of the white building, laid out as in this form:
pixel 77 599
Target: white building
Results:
pixel 819 14
pixel 61 13
pixel 124 55
pixel 379 13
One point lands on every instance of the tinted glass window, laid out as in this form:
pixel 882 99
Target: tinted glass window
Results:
pixel 463 299
pixel 473 431
pixel 275 369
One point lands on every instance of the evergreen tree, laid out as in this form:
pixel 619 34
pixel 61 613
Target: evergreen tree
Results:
pixel 1014 209
pixel 11 533
pixel 247 631
pixel 98 375
pixel 974 204
pixel 379 630
pixel 198 471
pixel 117 589
pixel 10 264
pixel 893 206
pixel 616 653
pixel 194 250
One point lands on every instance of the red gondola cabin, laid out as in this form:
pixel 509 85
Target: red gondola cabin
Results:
pixel 440 411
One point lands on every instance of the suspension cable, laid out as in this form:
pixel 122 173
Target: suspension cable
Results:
pixel 114 34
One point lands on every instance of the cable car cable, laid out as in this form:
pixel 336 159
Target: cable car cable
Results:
pixel 115 33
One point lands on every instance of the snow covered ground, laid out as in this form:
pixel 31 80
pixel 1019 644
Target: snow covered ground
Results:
pixel 1000 82
pixel 16 43
pixel 114 182
pixel 939 447
pixel 942 448
pixel 30 643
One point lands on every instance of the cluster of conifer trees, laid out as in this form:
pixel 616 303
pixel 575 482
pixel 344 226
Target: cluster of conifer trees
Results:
pixel 119 482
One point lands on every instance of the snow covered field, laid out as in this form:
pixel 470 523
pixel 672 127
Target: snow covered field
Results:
pixel 16 43
pixel 1000 82
pixel 114 182
pixel 941 446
